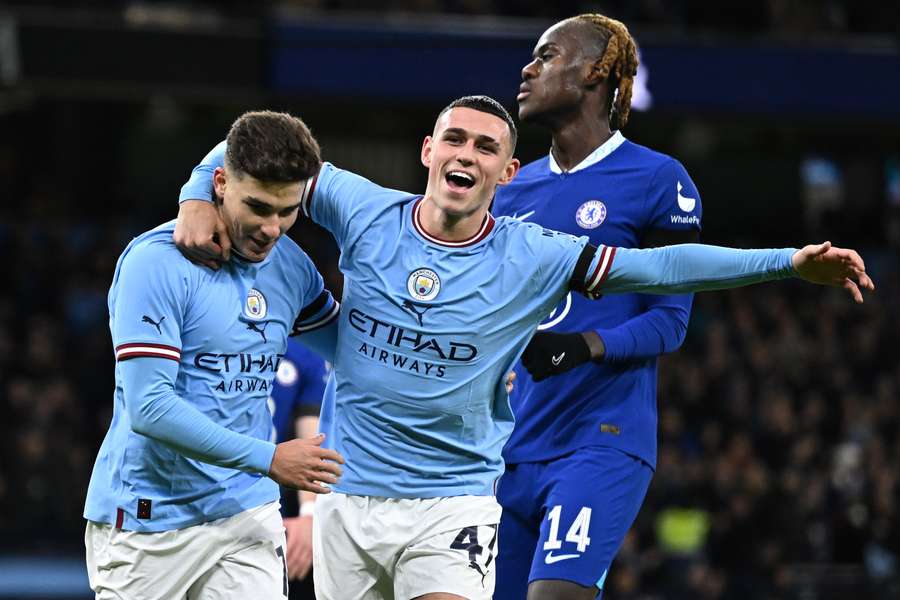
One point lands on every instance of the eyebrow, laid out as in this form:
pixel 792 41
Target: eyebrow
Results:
pixel 481 138
pixel 254 199
pixel 540 49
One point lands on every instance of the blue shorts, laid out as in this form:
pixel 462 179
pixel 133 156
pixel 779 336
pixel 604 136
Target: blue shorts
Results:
pixel 566 518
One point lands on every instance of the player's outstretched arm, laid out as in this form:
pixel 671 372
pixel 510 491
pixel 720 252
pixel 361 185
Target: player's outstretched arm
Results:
pixel 698 267
pixel 839 267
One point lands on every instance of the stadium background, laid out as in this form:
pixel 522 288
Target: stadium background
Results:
pixel 779 417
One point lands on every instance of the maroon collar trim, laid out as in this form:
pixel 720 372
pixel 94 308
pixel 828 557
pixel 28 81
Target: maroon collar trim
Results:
pixel 486 227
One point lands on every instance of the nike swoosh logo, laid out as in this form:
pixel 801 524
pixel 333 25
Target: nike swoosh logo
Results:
pixel 550 559
pixel 557 359
pixel 684 203
pixel 523 216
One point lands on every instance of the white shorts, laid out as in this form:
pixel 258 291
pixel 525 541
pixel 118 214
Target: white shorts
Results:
pixel 367 548
pixel 238 557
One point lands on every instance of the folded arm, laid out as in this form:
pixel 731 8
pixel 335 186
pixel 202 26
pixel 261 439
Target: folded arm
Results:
pixel 158 412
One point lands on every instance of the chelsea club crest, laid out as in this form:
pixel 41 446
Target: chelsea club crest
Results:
pixel 423 284
pixel 256 305
pixel 591 214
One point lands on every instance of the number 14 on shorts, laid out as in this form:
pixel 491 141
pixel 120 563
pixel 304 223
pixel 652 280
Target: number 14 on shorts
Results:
pixel 578 533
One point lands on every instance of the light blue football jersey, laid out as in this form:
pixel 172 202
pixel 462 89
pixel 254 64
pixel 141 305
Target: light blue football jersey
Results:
pixel 196 354
pixel 428 328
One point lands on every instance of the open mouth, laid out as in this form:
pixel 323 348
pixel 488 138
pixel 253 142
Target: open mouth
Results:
pixel 459 180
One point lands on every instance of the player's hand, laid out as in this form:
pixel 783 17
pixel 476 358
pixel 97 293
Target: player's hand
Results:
pixel 551 353
pixel 200 234
pixel 303 464
pixel 826 265
pixel 299 546
pixel 510 378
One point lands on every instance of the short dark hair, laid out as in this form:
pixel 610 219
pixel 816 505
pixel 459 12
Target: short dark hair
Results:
pixel 486 104
pixel 272 147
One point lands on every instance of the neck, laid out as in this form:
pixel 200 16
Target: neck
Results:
pixel 440 224
pixel 578 133
pixel 572 143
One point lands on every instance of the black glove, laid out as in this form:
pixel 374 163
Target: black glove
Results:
pixel 551 353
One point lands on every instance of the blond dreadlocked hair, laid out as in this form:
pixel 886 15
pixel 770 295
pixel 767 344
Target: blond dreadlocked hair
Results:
pixel 618 65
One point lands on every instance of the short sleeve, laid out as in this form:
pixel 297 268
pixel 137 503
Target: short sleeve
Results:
pixel 343 202
pixel 147 304
pixel 673 201
pixel 559 255
pixel 318 306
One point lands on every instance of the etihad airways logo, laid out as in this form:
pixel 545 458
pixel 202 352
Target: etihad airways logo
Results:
pixel 416 341
pixel 254 371
pixel 406 349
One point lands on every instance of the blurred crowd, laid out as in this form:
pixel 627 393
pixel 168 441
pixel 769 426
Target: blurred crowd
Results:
pixel 777 476
pixel 774 17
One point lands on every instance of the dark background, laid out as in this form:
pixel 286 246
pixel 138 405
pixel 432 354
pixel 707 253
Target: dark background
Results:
pixel 779 421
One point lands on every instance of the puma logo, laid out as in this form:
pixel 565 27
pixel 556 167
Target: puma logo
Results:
pixel 156 324
pixel 411 307
pixel 260 330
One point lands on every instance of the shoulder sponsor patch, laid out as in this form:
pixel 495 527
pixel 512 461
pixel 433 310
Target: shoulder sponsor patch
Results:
pixel 684 203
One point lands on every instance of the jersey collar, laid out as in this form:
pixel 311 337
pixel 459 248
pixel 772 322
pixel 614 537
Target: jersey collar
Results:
pixel 604 150
pixel 486 226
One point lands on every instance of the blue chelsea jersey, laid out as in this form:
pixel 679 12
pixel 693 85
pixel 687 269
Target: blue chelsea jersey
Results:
pixel 196 353
pixel 614 197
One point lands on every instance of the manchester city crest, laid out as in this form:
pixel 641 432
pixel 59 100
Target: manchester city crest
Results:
pixel 423 284
pixel 591 214
pixel 256 305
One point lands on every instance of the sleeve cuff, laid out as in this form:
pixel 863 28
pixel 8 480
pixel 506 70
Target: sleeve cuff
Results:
pixel 192 194
pixel 614 342
pixel 789 269
pixel 261 456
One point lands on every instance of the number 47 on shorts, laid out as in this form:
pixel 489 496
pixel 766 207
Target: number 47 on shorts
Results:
pixel 467 539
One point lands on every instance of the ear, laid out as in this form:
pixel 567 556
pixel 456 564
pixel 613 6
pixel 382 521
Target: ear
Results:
pixel 509 171
pixel 594 73
pixel 426 151
pixel 220 182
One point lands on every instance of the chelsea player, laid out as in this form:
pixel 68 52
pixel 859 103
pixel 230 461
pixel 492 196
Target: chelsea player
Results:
pixel 439 300
pixel 183 499
pixel 595 428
